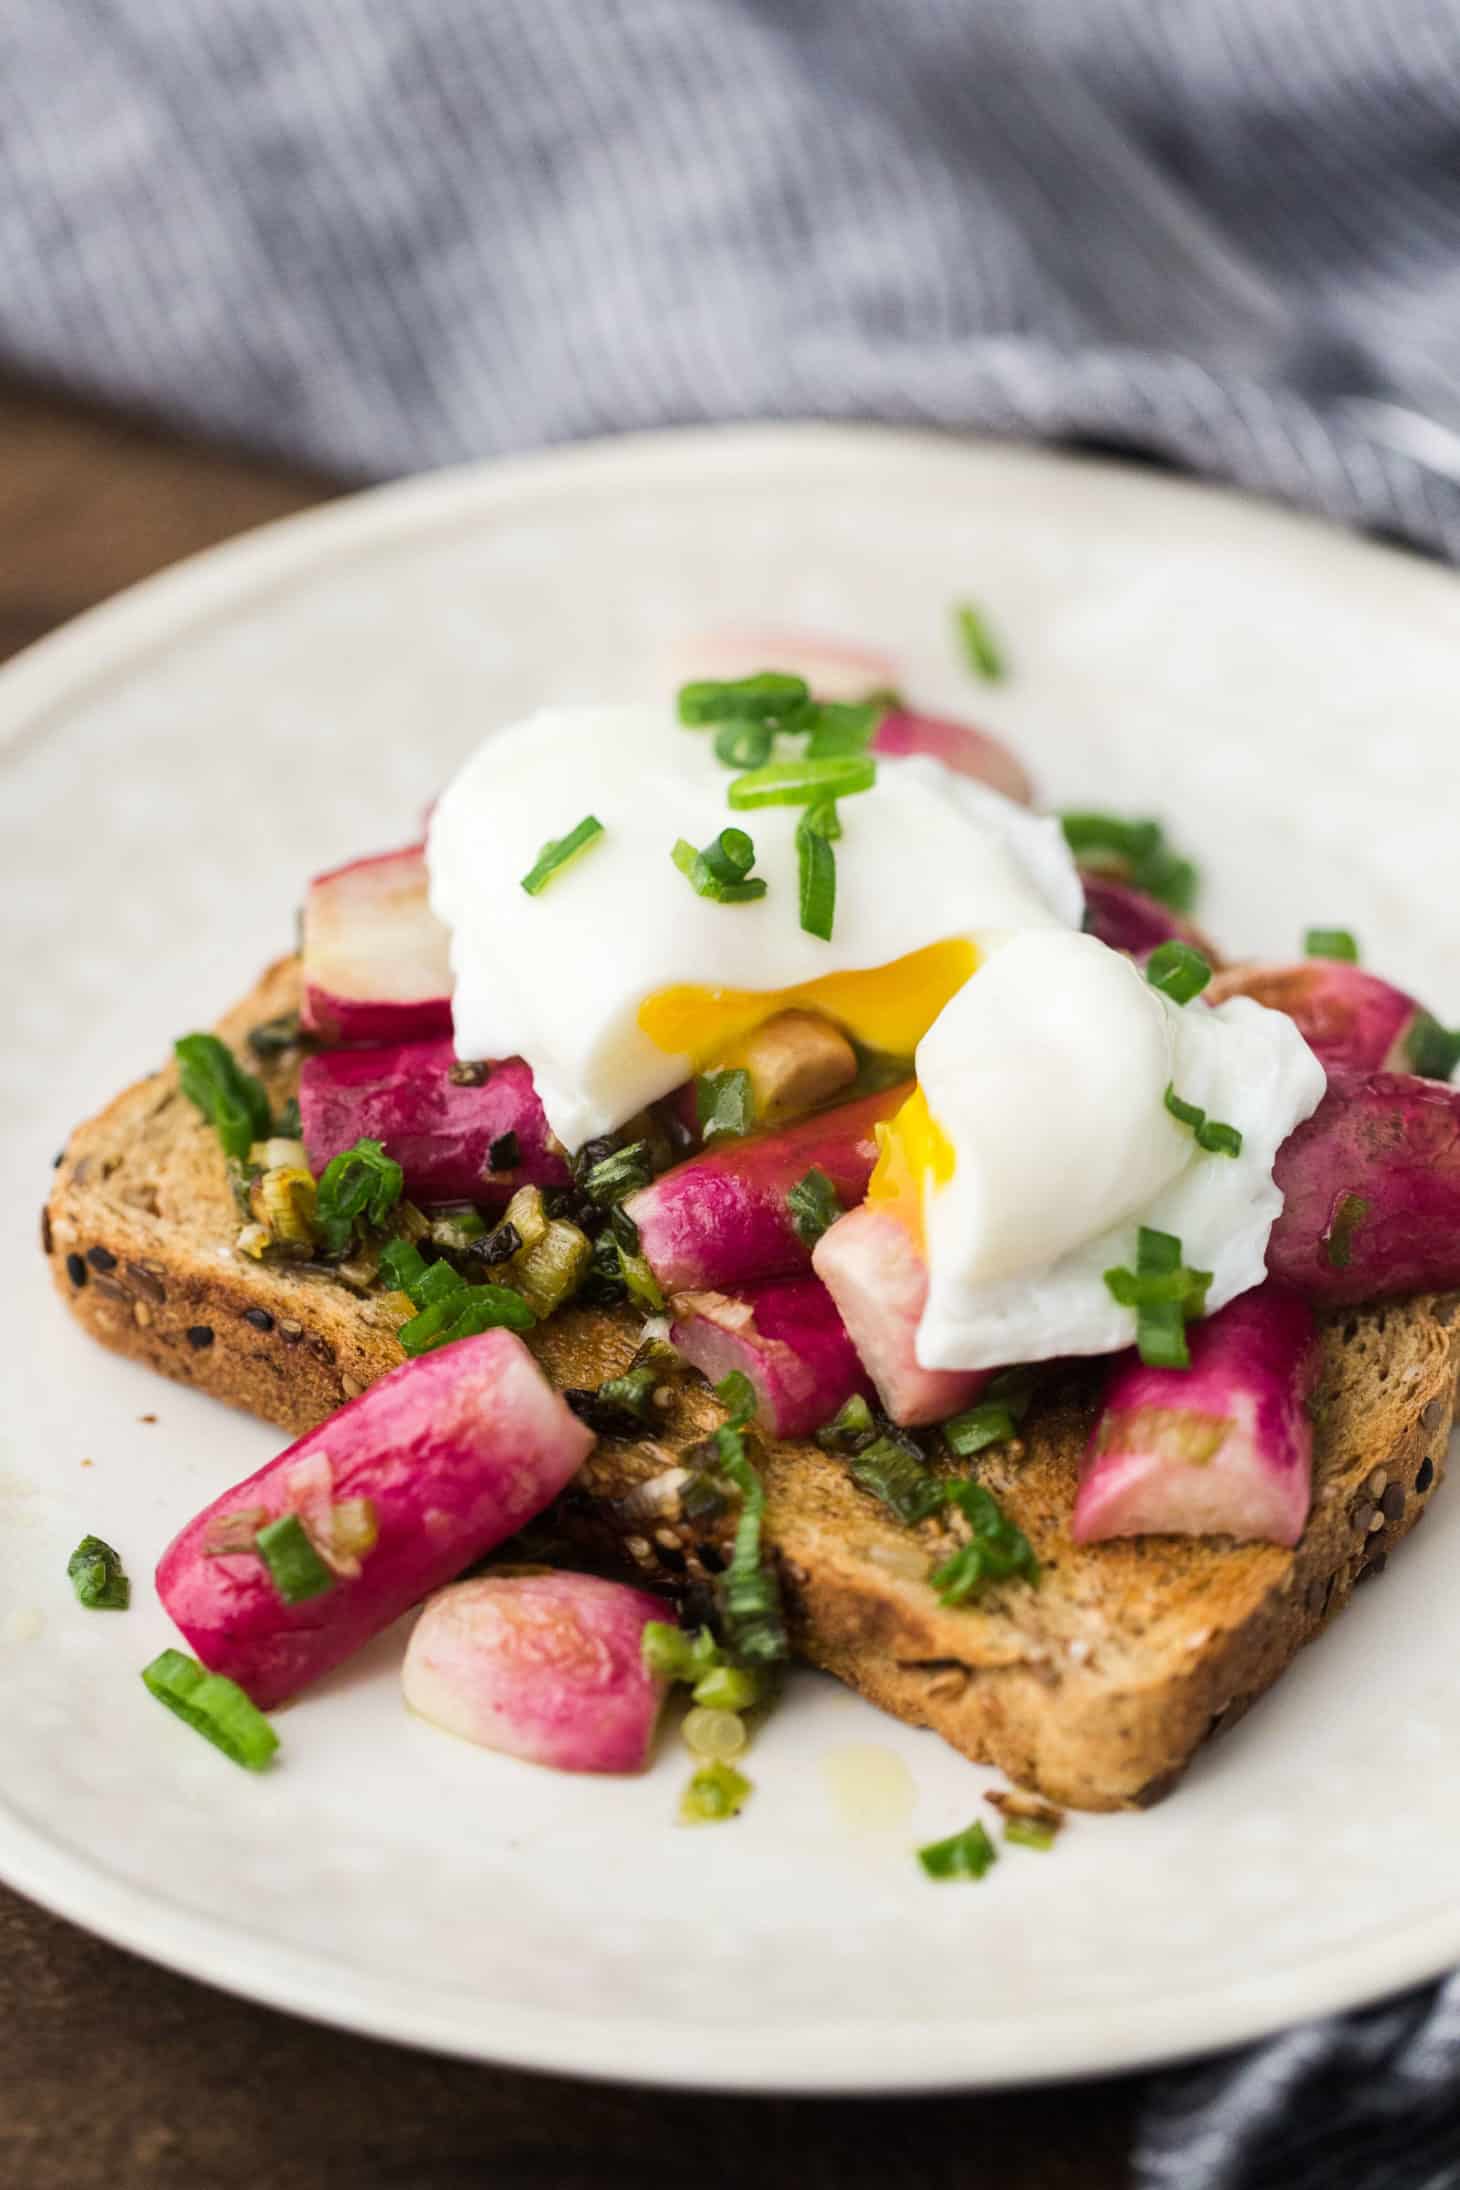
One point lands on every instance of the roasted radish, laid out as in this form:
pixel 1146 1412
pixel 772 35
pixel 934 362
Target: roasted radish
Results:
pixel 786 1337
pixel 289 1573
pixel 874 1271
pixel 1224 1448
pixel 376 966
pixel 1128 920
pixel 959 746
pixel 1351 1020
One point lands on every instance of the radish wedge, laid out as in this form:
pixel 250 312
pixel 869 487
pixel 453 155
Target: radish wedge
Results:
pixel 833 670
pixel 430 1468
pixel 959 746
pixel 376 964
pixel 786 1337
pixel 1351 1020
pixel 1224 1448
pixel 872 1267
pixel 440 1130
pixel 545 1666
pixel 1371 1191
pixel 1129 921
pixel 722 1219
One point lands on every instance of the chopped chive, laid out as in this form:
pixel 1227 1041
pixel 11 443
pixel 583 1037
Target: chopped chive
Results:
pixel 981 651
pixel 357 1191
pixel 978 1427
pixel 613 1178
pixel 771 696
pixel 1165 1295
pixel 744 744
pixel 997 1550
pixel 814 1205
pixel 737 1395
pixel 295 1567
pixel 724 1105
pixel 803 782
pixel 235 1104
pixel 841 727
pixel 1178 971
pixel 749 1591
pixel 817 864
pixel 968 1854
pixel 214 1707
pixel 1027 1832
pixel 722 870
pixel 463 1312
pixel 716 1791
pixel 402 1265
pixel 1331 943
pixel 729 1688
pixel 639 1280
pixel 558 851
pixel 892 1468
pixel 850 1427
pixel 1209 1133
pixel 1430 1049
pixel 1342 1229
pixel 505 1153
pixel 98 1576
pixel 1135 852
pixel 439 1282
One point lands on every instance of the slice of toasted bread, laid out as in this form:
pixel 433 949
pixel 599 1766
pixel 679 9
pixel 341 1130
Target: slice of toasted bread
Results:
pixel 1096 1687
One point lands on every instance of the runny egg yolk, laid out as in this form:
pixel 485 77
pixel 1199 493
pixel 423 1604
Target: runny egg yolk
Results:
pixel 884 1007
pixel 914 1155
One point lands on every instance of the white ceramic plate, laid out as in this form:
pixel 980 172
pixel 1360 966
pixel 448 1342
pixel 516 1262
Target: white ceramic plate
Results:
pixel 177 764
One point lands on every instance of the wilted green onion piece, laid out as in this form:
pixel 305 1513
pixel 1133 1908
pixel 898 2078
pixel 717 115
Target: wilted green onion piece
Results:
pixel 1209 1133
pixel 639 1280
pixel 1135 852
pixel 980 649
pixel 736 1395
pixel 1177 971
pixel 816 863
pixel 1166 1297
pixel 997 1551
pixel 749 1592
pixel 235 1104
pixel 724 1105
pixel 1331 943
pixel 614 1177
pixel 893 1470
pixel 1430 1049
pixel 295 1567
pixel 98 1577
pixel 716 1791
pixel 968 1854
pixel 214 1707
pixel 357 1191
pixel 977 1427
pixel 1027 1832
pixel 728 1688
pixel 452 1309
pixel 1338 1240
pixel 804 782
pixel 402 1266
pixel 851 1426
pixel 771 696
pixel 722 870
pixel 814 1205
pixel 558 851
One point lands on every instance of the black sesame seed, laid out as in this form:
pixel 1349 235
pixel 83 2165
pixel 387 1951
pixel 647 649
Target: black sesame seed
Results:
pixel 76 1270
pixel 259 1318
pixel 1391 1505
pixel 200 1335
pixel 1425 1476
pixel 58 1159
pixel 101 1258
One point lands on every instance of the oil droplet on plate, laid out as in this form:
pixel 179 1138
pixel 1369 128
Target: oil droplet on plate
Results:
pixel 869 1787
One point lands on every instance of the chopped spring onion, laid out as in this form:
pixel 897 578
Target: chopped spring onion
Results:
pixel 613 1178
pixel 968 1854
pixel 558 851
pixel 1027 1832
pixel 714 1734
pixel 814 1205
pixel 402 1265
pixel 749 1591
pixel 1166 1297
pixel 996 1417
pixel 805 782
pixel 736 1395
pixel 452 1309
pixel 234 1103
pixel 1177 971
pixel 634 1393
pixel 816 863
pixel 1331 943
pixel 771 696
pixel 697 1659
pixel 724 1105
pixel 981 650
pixel 892 1469
pixel 1217 1139
pixel 214 1707
pixel 997 1549
pixel 1135 852
pixel 843 726
pixel 744 744
pixel 98 1576
pixel 716 1791
pixel 295 1567
pixel 721 871
pixel 728 1688
pixel 639 1280
pixel 357 1191
pixel 1430 1049
pixel 1338 1239
pixel 505 1153
pixel 849 1428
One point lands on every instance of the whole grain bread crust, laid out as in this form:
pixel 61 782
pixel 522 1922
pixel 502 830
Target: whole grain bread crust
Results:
pixel 1096 1688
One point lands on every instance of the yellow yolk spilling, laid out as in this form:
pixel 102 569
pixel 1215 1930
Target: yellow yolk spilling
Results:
pixel 914 1155
pixel 884 1007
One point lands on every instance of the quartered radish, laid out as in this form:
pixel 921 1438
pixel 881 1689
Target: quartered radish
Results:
pixel 874 1270
pixel 786 1337
pixel 375 957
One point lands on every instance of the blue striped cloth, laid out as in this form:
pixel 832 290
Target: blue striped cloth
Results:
pixel 379 235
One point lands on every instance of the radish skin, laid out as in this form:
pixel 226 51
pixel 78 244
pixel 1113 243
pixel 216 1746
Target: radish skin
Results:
pixel 722 1219
pixel 787 1337
pixel 875 1272
pixel 375 957
pixel 1130 921
pixel 1371 1191
pixel 545 1666
pixel 1224 1448
pixel 454 1452
pixel 833 670
pixel 959 746
pixel 1351 1020
pixel 441 1133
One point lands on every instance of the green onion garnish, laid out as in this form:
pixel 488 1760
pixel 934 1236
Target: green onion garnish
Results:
pixel 978 1427
pixel 1217 1139
pixel 214 1707
pixel 1027 1832
pixel 1331 943
pixel 803 782
pixel 817 868
pixel 749 1591
pixel 728 1688
pixel 1135 852
pixel 724 1105
pixel 1165 1295
pixel 1430 1049
pixel 849 1428
pixel 968 1854
pixel 980 649
pixel 505 1153
pixel 295 1567
pixel 771 696
pixel 402 1266
pixel 737 1396
pixel 842 726
pixel 997 1551
pixel 558 851
pixel 357 1191
pixel 697 1659
pixel 464 1313
pixel 744 744
pixel 1177 971
pixel 639 1280
pixel 613 1178
pixel 891 1467
pixel 235 1104
pixel 98 1576
pixel 716 1791
pixel 722 870
pixel 1343 1226
pixel 814 1205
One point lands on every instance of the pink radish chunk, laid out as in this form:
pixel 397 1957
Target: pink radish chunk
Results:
pixel 1224 1448
pixel 427 1470
pixel 722 1219
pixel 787 1337
pixel 544 1666
pixel 440 1130
pixel 376 964
pixel 1127 920
pixel 872 1267
pixel 1371 1191
pixel 833 670
pixel 1351 1020
pixel 959 746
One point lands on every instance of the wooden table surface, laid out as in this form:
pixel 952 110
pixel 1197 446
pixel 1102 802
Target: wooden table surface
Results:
pixel 118 2076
